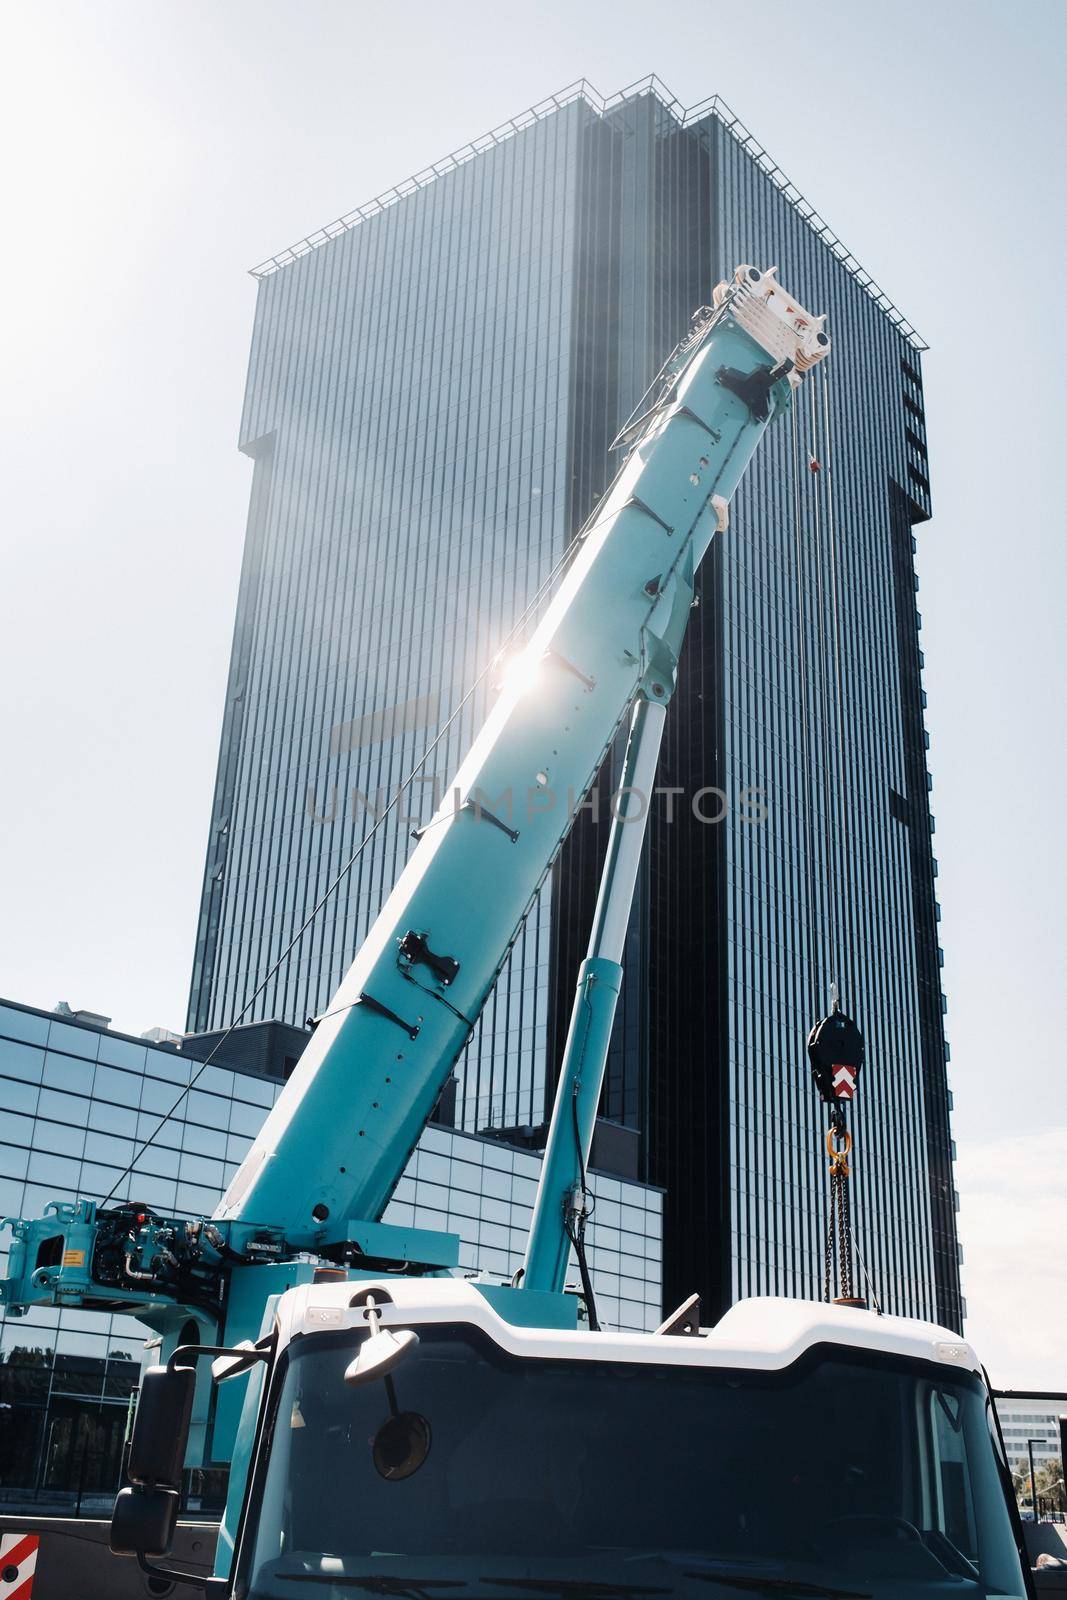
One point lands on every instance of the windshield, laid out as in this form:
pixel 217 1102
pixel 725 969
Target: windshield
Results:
pixel 472 1474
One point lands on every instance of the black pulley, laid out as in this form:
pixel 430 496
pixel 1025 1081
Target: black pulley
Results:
pixel 835 1050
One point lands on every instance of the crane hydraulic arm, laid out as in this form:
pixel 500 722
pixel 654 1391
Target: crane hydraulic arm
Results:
pixel 333 1148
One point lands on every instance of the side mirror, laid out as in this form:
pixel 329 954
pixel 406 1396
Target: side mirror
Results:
pixel 146 1514
pixel 143 1521
pixel 161 1427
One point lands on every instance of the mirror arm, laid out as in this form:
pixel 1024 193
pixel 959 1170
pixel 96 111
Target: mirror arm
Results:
pixel 213 1588
pixel 187 1355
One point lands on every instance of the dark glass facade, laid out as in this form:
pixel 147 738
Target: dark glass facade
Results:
pixel 433 388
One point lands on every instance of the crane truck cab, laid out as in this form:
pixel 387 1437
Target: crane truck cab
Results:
pixel 409 1438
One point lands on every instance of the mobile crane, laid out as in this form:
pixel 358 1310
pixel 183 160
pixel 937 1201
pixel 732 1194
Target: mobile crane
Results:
pixel 393 1429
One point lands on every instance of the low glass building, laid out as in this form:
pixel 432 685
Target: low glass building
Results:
pixel 77 1102
pixel 1028 1415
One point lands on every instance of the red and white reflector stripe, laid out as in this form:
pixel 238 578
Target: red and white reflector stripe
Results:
pixel 18 1563
pixel 844 1082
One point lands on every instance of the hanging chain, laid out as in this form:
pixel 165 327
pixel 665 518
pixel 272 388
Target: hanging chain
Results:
pixel 839 1240
pixel 828 1260
pixel 844 1229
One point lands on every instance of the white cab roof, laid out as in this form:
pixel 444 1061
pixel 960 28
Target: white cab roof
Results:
pixel 764 1334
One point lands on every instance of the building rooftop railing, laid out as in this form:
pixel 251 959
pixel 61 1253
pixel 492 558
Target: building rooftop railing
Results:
pixel 685 116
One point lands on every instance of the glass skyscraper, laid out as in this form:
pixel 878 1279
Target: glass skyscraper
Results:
pixel 434 385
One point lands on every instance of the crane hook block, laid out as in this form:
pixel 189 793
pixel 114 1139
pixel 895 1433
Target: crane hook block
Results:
pixel 835 1050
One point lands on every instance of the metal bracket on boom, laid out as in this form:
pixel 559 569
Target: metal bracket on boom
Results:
pixel 368 1000
pixel 755 387
pixel 485 815
pixel 413 949
pixel 639 505
pixel 714 434
pixel 568 666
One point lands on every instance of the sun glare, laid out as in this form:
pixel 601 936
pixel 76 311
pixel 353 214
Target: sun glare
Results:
pixel 519 671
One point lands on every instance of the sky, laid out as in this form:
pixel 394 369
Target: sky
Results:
pixel 155 150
